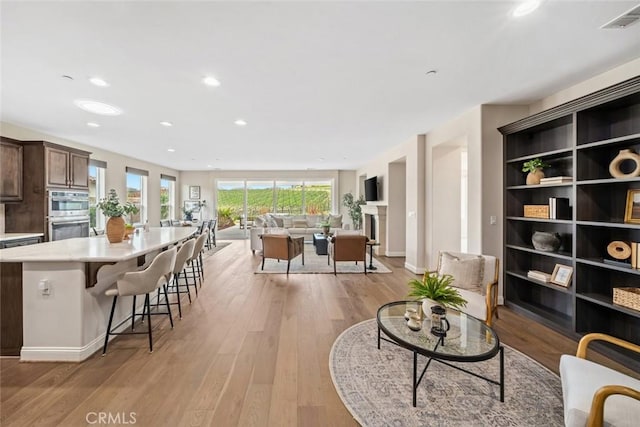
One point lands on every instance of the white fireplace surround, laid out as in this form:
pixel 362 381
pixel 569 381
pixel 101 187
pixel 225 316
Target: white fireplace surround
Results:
pixel 379 213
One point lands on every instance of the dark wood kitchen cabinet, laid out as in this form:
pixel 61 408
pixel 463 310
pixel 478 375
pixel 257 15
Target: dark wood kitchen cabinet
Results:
pixel 46 165
pixel 10 170
pixel 66 167
pixel 11 299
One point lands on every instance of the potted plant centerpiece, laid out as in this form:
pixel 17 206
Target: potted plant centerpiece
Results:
pixel 435 289
pixel 112 208
pixel 534 167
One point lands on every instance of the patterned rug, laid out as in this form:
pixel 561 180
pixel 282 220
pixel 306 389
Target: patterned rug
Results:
pixel 316 264
pixel 375 386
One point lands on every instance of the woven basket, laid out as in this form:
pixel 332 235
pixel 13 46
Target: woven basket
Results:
pixel 536 211
pixel 627 297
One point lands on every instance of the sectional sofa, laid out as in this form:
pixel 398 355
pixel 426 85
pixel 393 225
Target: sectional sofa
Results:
pixel 294 225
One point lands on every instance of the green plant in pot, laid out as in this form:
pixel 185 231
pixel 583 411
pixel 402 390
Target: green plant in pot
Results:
pixel 436 289
pixel 326 226
pixel 355 211
pixel 112 208
pixel 534 167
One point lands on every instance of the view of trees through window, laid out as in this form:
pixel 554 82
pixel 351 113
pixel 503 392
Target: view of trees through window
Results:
pixel 287 197
pixel 96 192
pixel 135 187
pixel 166 199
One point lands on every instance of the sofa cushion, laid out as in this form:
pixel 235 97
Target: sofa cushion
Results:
pixel 287 221
pixel 271 221
pixel 314 220
pixel 467 272
pixel 580 380
pixel 299 223
pixel 335 221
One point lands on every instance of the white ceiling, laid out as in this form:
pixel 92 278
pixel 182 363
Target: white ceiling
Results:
pixel 324 85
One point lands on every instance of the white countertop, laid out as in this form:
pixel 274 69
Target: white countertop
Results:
pixel 97 248
pixel 6 237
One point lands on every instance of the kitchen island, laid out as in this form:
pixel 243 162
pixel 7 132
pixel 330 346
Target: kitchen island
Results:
pixel 63 282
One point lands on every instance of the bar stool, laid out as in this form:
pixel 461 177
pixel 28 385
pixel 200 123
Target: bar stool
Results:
pixel 142 283
pixel 197 267
pixel 212 232
pixel 184 254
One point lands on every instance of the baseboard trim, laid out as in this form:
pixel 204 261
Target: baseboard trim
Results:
pixel 414 269
pixel 66 354
pixel 394 254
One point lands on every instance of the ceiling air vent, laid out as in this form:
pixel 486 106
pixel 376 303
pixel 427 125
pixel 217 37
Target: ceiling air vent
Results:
pixel 624 20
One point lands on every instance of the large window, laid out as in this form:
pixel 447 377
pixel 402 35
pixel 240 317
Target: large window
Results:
pixel 241 201
pixel 289 197
pixel 137 194
pixel 97 191
pixel 167 196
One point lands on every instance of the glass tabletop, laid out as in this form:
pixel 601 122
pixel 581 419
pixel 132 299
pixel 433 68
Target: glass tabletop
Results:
pixel 468 339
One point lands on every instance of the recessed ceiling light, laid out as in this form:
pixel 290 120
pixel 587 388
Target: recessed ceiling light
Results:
pixel 98 81
pixel 240 122
pixel 321 159
pixel 171 150
pixel 97 107
pixel 211 81
pixel 431 72
pixel 93 125
pixel 167 124
pixel 209 166
pixel 67 77
pixel 526 8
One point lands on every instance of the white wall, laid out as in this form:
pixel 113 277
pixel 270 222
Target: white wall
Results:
pixel 397 209
pixel 116 164
pixel 446 188
pixel 413 151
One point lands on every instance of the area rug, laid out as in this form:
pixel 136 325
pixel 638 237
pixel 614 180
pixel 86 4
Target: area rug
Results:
pixel 375 386
pixel 316 264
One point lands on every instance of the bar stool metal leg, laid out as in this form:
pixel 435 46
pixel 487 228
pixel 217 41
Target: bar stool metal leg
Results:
pixel 166 301
pixel 146 302
pixel 106 338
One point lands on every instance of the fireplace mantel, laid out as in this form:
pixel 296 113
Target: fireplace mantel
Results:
pixel 379 212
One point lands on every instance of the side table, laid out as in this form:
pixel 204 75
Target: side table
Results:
pixel 320 243
pixel 371 244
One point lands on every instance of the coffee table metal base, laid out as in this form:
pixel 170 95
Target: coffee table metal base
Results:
pixel 416 380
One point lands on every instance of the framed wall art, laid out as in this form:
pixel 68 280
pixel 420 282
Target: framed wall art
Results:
pixel 194 192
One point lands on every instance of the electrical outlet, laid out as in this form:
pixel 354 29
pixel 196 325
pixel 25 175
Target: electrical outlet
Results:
pixel 493 220
pixel 45 287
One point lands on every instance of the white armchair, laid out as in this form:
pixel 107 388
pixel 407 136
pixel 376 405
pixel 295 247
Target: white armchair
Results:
pixel 595 395
pixel 476 278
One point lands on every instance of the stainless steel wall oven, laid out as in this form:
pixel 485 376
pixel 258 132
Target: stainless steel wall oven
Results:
pixel 68 214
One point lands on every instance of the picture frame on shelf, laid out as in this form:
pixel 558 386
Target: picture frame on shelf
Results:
pixel 632 208
pixel 194 192
pixel 562 275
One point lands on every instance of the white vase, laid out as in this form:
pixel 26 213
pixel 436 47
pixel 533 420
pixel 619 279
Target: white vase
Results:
pixel 426 307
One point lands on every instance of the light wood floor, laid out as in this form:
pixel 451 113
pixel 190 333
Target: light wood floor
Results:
pixel 252 349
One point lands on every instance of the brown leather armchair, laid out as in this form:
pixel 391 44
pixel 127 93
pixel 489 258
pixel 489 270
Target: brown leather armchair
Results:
pixel 348 248
pixel 282 247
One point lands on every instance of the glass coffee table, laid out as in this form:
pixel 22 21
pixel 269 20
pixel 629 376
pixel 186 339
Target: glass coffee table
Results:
pixel 467 340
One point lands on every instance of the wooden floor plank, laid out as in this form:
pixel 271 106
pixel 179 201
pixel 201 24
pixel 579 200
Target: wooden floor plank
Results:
pixel 251 349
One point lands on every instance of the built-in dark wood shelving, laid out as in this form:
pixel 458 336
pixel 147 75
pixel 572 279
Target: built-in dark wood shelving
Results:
pixel 578 139
pixel 561 255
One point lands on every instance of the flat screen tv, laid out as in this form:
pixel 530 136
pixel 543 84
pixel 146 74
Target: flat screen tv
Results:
pixel 371 189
